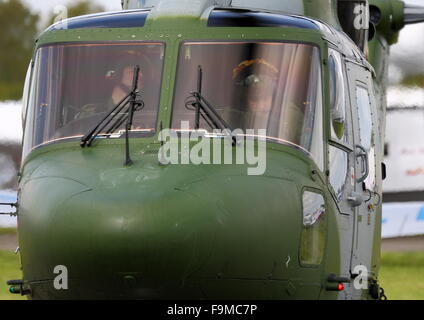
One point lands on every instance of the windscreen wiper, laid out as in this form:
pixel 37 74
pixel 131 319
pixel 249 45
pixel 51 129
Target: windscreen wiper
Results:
pixel 204 108
pixel 132 103
pixel 134 106
pixel 129 100
pixel 88 139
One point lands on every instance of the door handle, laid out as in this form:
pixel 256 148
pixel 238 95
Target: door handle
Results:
pixel 356 199
pixel 364 157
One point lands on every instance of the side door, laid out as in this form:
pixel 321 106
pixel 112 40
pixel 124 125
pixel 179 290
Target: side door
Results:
pixel 364 195
pixel 341 155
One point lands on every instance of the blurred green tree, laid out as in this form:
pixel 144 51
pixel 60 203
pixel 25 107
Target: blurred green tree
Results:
pixel 18 29
pixel 77 9
pixel 414 80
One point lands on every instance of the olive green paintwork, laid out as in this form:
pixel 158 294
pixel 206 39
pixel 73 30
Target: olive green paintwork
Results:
pixel 188 231
pixel 176 231
pixel 167 225
pixel 392 18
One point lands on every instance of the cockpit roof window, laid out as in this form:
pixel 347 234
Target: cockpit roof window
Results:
pixel 129 19
pixel 246 18
pixel 76 84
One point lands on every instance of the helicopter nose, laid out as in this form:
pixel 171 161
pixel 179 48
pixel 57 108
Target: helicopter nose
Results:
pixel 152 242
pixel 119 243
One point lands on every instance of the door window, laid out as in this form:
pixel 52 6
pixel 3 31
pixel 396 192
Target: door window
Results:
pixel 366 136
pixel 338 149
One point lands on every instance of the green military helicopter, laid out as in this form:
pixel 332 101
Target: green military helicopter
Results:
pixel 100 216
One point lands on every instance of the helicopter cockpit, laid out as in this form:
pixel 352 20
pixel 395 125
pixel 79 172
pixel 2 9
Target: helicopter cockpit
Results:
pixel 75 85
pixel 274 86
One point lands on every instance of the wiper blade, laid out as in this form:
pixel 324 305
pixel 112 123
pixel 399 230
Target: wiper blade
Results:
pixel 139 104
pixel 205 108
pixel 88 139
pixel 93 133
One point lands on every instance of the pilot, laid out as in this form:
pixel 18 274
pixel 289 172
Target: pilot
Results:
pixel 256 80
pixel 264 106
pixel 122 78
pixel 125 82
pixel 109 88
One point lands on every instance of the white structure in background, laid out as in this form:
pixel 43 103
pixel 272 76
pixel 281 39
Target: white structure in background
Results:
pixel 10 121
pixel 403 219
pixel 10 130
pixel 405 151
pixel 6 197
pixel 405 164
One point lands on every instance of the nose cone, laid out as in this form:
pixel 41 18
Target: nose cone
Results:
pixel 117 244
pixel 154 239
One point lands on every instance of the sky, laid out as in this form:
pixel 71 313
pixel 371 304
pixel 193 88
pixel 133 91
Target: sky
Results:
pixel 45 6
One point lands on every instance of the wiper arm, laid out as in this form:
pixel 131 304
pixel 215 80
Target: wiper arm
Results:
pixel 92 134
pixel 134 105
pixel 208 109
pixel 130 98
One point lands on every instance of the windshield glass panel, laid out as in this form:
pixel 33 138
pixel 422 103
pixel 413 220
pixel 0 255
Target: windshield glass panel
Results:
pixel 77 84
pixel 267 85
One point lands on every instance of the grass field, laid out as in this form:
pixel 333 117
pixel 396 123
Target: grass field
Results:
pixel 9 269
pixel 401 274
pixel 4 231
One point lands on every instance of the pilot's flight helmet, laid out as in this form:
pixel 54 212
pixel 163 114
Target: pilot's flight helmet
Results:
pixel 255 74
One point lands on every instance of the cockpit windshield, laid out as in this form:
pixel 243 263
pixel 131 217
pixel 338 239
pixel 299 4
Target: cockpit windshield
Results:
pixel 75 85
pixel 255 85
